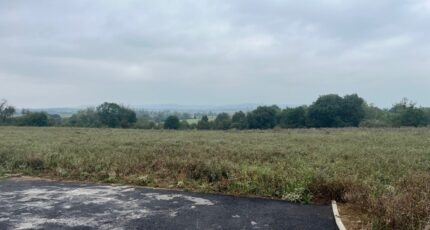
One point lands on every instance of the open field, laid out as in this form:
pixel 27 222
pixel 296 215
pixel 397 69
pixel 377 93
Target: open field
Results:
pixel 383 172
pixel 196 120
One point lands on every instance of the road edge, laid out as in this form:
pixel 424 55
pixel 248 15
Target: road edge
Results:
pixel 336 214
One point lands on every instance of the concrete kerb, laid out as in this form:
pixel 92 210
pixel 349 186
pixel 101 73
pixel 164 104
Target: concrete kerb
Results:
pixel 337 216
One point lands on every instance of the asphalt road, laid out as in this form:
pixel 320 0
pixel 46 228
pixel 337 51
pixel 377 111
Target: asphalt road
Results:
pixel 41 204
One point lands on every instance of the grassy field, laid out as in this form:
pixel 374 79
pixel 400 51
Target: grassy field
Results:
pixel 383 172
pixel 196 120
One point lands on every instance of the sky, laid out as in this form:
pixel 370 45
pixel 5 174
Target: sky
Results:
pixel 223 52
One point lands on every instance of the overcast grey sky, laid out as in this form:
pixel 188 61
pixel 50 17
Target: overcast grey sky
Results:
pixel 71 53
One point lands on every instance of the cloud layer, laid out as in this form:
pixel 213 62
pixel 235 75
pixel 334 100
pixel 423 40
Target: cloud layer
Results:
pixel 68 53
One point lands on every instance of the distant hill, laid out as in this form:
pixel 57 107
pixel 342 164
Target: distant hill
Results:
pixel 197 108
pixel 66 112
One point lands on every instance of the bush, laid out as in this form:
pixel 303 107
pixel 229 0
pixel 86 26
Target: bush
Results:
pixel 239 121
pixel 172 122
pixel 406 114
pixel 33 119
pixel 55 120
pixel 85 118
pixel 204 123
pixel 293 117
pixel 222 121
pixel 113 115
pixel 264 117
pixel 6 112
pixel 374 124
pixel 142 123
pixel 334 111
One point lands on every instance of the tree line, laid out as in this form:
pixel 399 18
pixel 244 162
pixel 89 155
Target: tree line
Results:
pixel 328 111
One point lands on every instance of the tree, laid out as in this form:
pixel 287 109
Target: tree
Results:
pixel 85 118
pixel 375 117
pixel 374 113
pixel 293 117
pixel 427 115
pixel 334 111
pixel 325 111
pixel 239 120
pixel 6 111
pixel 33 119
pixel 55 120
pixel 204 123
pixel 172 122
pixel 222 121
pixel 113 115
pixel 406 114
pixel 128 117
pixel 264 117
pixel 353 110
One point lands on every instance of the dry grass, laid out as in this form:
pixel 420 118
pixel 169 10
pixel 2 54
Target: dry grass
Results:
pixel 385 172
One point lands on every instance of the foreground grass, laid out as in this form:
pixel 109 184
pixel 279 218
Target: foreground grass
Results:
pixel 385 172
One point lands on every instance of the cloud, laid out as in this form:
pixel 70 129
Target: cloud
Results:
pixel 213 52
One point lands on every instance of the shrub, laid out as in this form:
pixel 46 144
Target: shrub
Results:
pixel 172 122
pixel 293 117
pixel 264 117
pixel 239 121
pixel 222 121
pixel 113 115
pixel 204 123
pixel 334 111
pixel 85 118
pixel 33 119
pixel 374 124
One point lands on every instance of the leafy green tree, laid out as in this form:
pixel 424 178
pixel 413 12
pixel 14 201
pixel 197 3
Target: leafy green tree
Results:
pixel 374 113
pixel 33 119
pixel 6 111
pixel 204 123
pixel 85 118
pixel 375 117
pixel 239 120
pixel 427 115
pixel 222 121
pixel 264 117
pixel 334 111
pixel 405 113
pixel 113 115
pixel 326 111
pixel 353 110
pixel 172 122
pixel 293 117
pixel 55 120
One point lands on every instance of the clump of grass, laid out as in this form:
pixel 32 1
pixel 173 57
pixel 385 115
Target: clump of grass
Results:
pixel 339 189
pixel 406 206
pixel 384 172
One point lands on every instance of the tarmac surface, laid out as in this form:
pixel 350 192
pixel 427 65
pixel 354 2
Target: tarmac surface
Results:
pixel 43 204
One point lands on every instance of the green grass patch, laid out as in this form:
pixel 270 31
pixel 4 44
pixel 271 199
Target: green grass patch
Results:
pixel 386 172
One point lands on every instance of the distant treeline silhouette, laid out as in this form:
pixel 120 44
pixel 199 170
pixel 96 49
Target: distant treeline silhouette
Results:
pixel 328 111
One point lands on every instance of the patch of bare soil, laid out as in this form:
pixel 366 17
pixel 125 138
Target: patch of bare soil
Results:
pixel 352 217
